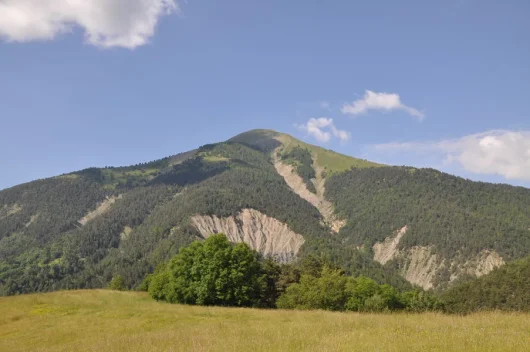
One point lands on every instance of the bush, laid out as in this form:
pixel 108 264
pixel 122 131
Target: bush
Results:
pixel 420 301
pixel 324 292
pixel 117 283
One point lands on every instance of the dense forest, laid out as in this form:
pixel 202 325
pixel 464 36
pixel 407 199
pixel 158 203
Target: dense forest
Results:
pixel 505 288
pixel 45 245
pixel 456 216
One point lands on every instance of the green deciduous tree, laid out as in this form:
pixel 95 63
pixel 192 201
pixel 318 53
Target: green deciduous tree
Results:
pixel 328 291
pixel 331 289
pixel 211 272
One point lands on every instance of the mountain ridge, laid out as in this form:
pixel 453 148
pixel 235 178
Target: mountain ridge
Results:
pixel 77 230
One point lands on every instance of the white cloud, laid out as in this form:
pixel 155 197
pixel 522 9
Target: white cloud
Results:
pixel 322 129
pixel 106 23
pixel 379 101
pixel 498 152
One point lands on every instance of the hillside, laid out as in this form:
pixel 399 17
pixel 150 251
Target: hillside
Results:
pixel 449 227
pixel 506 288
pixel 283 197
pixel 100 320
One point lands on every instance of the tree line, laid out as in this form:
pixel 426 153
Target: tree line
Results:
pixel 216 272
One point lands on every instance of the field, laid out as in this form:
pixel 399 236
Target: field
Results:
pixel 101 320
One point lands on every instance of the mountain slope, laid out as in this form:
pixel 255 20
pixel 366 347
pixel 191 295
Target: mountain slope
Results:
pixel 450 227
pixel 505 288
pixel 128 220
pixel 282 196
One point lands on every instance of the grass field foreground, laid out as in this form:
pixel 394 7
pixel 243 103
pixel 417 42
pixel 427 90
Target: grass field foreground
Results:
pixel 102 320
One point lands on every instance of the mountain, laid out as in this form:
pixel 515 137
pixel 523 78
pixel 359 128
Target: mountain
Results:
pixel 285 198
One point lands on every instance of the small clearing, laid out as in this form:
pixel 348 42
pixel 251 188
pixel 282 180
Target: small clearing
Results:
pixel 125 233
pixel 8 210
pixel 32 219
pixel 100 209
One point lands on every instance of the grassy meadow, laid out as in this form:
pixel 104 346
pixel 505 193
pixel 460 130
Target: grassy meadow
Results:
pixel 102 320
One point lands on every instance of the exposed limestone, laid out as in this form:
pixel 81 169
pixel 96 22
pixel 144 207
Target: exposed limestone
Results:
pixel 8 210
pixel 261 232
pixel 487 262
pixel 125 233
pixel 32 219
pixel 297 184
pixel 100 209
pixel 483 263
pixel 419 264
pixel 387 250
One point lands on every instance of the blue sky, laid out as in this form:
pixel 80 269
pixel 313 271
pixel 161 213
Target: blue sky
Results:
pixel 111 82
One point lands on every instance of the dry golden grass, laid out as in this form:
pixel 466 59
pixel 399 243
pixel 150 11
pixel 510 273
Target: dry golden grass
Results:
pixel 101 320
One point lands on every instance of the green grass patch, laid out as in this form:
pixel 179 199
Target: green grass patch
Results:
pixel 214 158
pixel 332 162
pixel 101 320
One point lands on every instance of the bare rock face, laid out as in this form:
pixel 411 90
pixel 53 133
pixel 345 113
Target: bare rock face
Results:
pixel 101 209
pixel 388 249
pixel 297 184
pixel 262 233
pixel 124 235
pixel 419 264
pixel 32 220
pixel 482 264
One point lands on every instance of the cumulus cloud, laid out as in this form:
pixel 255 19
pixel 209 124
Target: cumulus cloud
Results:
pixel 379 101
pixel 323 129
pixel 106 23
pixel 498 152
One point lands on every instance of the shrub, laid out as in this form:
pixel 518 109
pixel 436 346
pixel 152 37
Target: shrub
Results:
pixel 117 283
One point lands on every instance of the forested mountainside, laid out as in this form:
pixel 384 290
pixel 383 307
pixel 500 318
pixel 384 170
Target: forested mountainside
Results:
pixel 455 226
pixel 505 288
pixel 283 197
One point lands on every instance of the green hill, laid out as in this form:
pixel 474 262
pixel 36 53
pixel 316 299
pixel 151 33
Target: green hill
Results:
pixel 282 196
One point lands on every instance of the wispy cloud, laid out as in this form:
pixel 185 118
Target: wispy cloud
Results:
pixel 497 152
pixel 325 105
pixel 106 23
pixel 323 129
pixel 380 101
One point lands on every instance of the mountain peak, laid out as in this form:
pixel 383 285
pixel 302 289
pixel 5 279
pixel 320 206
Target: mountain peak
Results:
pixel 269 140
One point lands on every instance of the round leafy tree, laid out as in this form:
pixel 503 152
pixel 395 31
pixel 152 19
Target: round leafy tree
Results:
pixel 210 272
